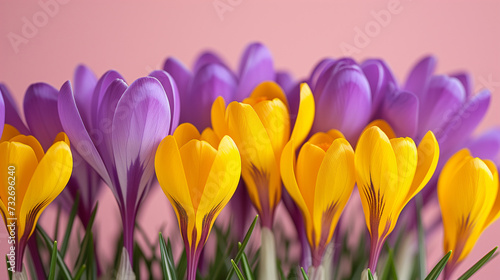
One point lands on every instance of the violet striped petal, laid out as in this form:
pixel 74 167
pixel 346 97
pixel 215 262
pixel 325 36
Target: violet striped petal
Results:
pixel 170 88
pixel 400 110
pixel 181 75
pixel 73 125
pixel 420 75
pixel 85 83
pixel 100 90
pixel 487 145
pixel 141 121
pixel 12 115
pixel 318 70
pixel 205 58
pixel 381 80
pixel 256 66
pixel 40 110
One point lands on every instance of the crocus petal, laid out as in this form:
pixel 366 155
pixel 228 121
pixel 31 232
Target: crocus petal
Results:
pixel 495 210
pixel 32 142
pixel 170 88
pixel 400 109
pixel 181 75
pixel 185 133
pixel 211 81
pixel 85 83
pixel 318 71
pixel 381 80
pixel 205 58
pixel 308 165
pixel 8 132
pixel 384 126
pixel 418 79
pixel 2 114
pixel 285 81
pixel 209 135
pixel 256 66
pixel 305 115
pixel 40 110
pixel 12 115
pixel 218 116
pixel 77 133
pixel 487 145
pixel 266 91
pixel 141 121
pixel 48 181
pixel 99 92
pixel 466 81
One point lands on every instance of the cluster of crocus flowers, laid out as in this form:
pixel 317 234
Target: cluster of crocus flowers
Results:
pixel 390 172
pixel 320 181
pixel 199 175
pixel 30 181
pixel 470 201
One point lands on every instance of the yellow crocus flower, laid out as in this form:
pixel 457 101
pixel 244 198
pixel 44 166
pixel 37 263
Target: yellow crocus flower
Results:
pixel 390 172
pixel 470 201
pixel 320 182
pixel 260 126
pixel 199 180
pixel 30 180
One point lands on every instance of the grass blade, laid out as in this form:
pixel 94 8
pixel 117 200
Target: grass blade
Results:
pixel 60 261
pixel 242 247
pixel 370 275
pixel 238 272
pixel 53 259
pixel 69 227
pixel 80 272
pixel 390 267
pixel 304 274
pixel 167 265
pixel 478 265
pixel 84 252
pixel 8 266
pixel 436 271
pixel 246 266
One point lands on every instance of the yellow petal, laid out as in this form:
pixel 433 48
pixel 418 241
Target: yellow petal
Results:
pixel 218 115
pixel 30 141
pixel 220 186
pixel 266 91
pixel 324 140
pixel 184 133
pixel 334 186
pixel 376 177
pixel 259 167
pixel 48 181
pixel 384 126
pixel 308 164
pixel 305 115
pixel 495 210
pixel 8 132
pixel 62 137
pixel 209 135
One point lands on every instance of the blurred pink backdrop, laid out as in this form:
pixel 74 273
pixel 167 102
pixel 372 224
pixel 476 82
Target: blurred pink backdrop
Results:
pixel 135 38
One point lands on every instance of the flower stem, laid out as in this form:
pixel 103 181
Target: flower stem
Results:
pixel 375 248
pixel 267 263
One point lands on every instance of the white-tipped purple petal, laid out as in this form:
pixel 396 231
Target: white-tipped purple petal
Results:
pixel 458 128
pixel 100 90
pixel 211 81
pixel 12 115
pixel 318 70
pixel 170 87
pixel 73 125
pixel 420 75
pixel 466 81
pixel 487 145
pixel 444 98
pixel 256 66
pixel 85 83
pixel 2 114
pixel 381 80
pixel 285 81
pixel 400 110
pixel 343 100
pixel 40 110
pixel 181 75
pixel 205 58
pixel 142 119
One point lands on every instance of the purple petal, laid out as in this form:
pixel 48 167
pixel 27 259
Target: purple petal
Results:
pixel 181 75
pixel 141 121
pixel 205 58
pixel 487 145
pixel 400 110
pixel 318 70
pixel 256 66
pixel 85 83
pixel 457 129
pixel 40 110
pixel 420 75
pixel 12 115
pixel 170 88
pixel 2 114
pixel 466 81
pixel 285 81
pixel 444 98
pixel 343 100
pixel 100 90
pixel 381 80
pixel 211 81
pixel 73 125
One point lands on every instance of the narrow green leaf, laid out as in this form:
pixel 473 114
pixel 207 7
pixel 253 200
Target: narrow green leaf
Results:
pixel 478 265
pixel 79 273
pixel 58 217
pixel 242 248
pixel 370 275
pixel 238 272
pixel 280 269
pixel 50 246
pixel 390 267
pixel 8 266
pixel 90 263
pixel 436 271
pixel 69 227
pixel 166 261
pixel 421 238
pixel 304 273
pixel 53 258
pixel 182 266
pixel 246 267
pixel 84 248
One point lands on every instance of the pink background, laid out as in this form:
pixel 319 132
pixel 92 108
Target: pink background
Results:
pixel 136 38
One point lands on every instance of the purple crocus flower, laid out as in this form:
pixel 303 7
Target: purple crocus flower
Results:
pixel 211 78
pixel 2 114
pixel 117 131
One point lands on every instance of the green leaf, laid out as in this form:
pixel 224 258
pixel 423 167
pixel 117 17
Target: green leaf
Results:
pixel 182 266
pixel 280 269
pixel 50 246
pixel 246 267
pixel 478 265
pixel 242 248
pixel 370 275
pixel 79 273
pixel 238 272
pixel 53 258
pixel 390 267
pixel 85 247
pixel 304 275
pixel 167 263
pixel 8 266
pixel 421 238
pixel 69 227
pixel 436 271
